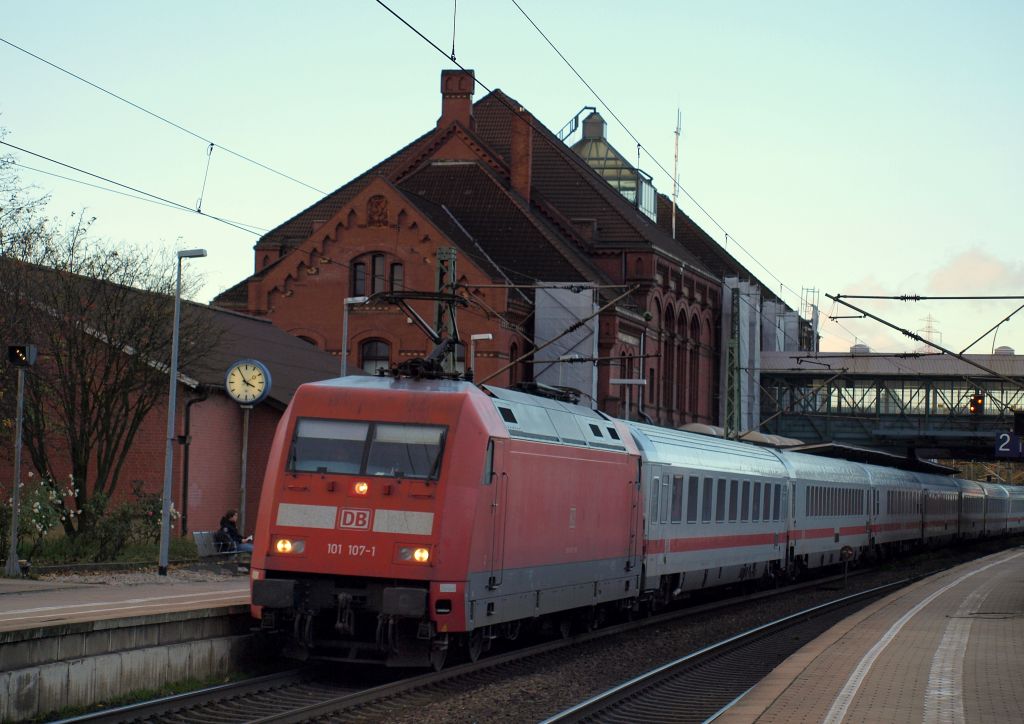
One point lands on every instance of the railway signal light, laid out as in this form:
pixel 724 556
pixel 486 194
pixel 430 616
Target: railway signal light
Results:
pixel 977 404
pixel 21 355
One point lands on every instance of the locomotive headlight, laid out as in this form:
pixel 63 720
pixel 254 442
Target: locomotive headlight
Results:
pixel 288 546
pixel 412 554
pixel 360 488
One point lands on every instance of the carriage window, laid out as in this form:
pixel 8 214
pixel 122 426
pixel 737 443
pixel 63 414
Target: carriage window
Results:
pixel 691 499
pixel 757 501
pixel 767 514
pixel 664 499
pixel 328 446
pixel 720 500
pixel 411 451
pixel 777 505
pixel 707 503
pixel 655 495
pixel 677 499
pixel 734 494
pixel 745 501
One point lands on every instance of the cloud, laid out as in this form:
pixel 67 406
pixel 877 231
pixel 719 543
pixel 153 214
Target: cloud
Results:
pixel 976 271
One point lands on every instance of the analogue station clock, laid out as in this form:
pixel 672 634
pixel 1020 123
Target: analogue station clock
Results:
pixel 247 381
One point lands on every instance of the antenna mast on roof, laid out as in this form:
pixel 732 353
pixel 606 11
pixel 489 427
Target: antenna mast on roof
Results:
pixel 675 184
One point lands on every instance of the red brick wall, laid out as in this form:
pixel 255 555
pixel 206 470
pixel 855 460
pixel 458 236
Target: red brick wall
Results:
pixel 215 464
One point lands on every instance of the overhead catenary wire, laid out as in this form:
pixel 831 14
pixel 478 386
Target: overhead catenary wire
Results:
pixel 162 118
pixel 517 111
pixel 650 155
pixel 169 202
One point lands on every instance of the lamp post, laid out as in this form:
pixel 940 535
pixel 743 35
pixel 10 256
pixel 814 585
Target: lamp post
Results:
pixel 165 518
pixel 21 356
pixel 344 330
pixel 473 339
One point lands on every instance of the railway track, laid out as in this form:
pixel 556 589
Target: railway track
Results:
pixel 700 686
pixel 369 694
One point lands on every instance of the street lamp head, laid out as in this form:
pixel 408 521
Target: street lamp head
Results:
pixel 356 300
pixel 191 253
pixel 480 337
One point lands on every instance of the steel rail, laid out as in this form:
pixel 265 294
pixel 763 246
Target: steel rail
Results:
pixel 606 701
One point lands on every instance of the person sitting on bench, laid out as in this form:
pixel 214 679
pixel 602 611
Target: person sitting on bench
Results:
pixel 228 538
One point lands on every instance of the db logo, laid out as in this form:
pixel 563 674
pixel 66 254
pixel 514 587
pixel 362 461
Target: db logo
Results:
pixel 354 518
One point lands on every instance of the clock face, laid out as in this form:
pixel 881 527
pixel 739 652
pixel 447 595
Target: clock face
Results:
pixel 247 382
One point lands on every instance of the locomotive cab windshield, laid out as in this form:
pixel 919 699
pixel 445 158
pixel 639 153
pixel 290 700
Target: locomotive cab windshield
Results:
pixel 350 447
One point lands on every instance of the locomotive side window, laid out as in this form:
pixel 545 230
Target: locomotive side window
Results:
pixel 677 499
pixel 408 450
pixel 691 499
pixel 489 464
pixel 507 415
pixel 745 502
pixel 328 446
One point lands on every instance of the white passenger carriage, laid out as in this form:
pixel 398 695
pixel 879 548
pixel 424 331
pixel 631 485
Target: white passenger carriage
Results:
pixel 941 497
pixel 831 508
pixel 997 509
pixel 715 511
pixel 972 509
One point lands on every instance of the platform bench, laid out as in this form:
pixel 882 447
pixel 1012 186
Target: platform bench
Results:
pixel 206 546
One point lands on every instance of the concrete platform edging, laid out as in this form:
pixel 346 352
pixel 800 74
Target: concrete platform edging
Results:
pixel 43 671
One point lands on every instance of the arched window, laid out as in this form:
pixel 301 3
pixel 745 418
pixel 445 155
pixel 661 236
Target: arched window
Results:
pixel 397 278
pixel 374 355
pixel 358 279
pixel 379 279
pixel 668 359
pixel 694 364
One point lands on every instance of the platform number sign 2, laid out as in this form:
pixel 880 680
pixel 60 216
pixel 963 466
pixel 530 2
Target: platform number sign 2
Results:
pixel 1009 445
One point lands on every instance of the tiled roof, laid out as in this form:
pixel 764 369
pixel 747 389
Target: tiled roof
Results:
pixel 291 361
pixel 576 190
pixel 484 209
pixel 824 364
pixel 709 251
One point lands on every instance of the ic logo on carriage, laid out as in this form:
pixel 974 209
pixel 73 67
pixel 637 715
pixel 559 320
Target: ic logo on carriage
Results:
pixel 355 518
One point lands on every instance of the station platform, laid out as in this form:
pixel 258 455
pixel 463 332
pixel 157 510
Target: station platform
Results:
pixel 28 604
pixel 77 643
pixel 945 649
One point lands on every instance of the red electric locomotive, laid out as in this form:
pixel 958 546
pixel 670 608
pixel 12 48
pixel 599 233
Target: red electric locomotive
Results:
pixel 402 518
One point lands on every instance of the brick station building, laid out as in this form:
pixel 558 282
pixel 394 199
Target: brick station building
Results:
pixel 521 209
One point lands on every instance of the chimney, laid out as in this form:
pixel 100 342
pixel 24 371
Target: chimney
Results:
pixel 521 152
pixel 457 97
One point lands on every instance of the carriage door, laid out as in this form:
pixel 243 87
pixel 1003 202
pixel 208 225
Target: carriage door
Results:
pixel 636 515
pixel 497 480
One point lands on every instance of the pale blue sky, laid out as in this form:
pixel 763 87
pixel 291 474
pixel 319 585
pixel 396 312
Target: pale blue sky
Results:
pixel 869 147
